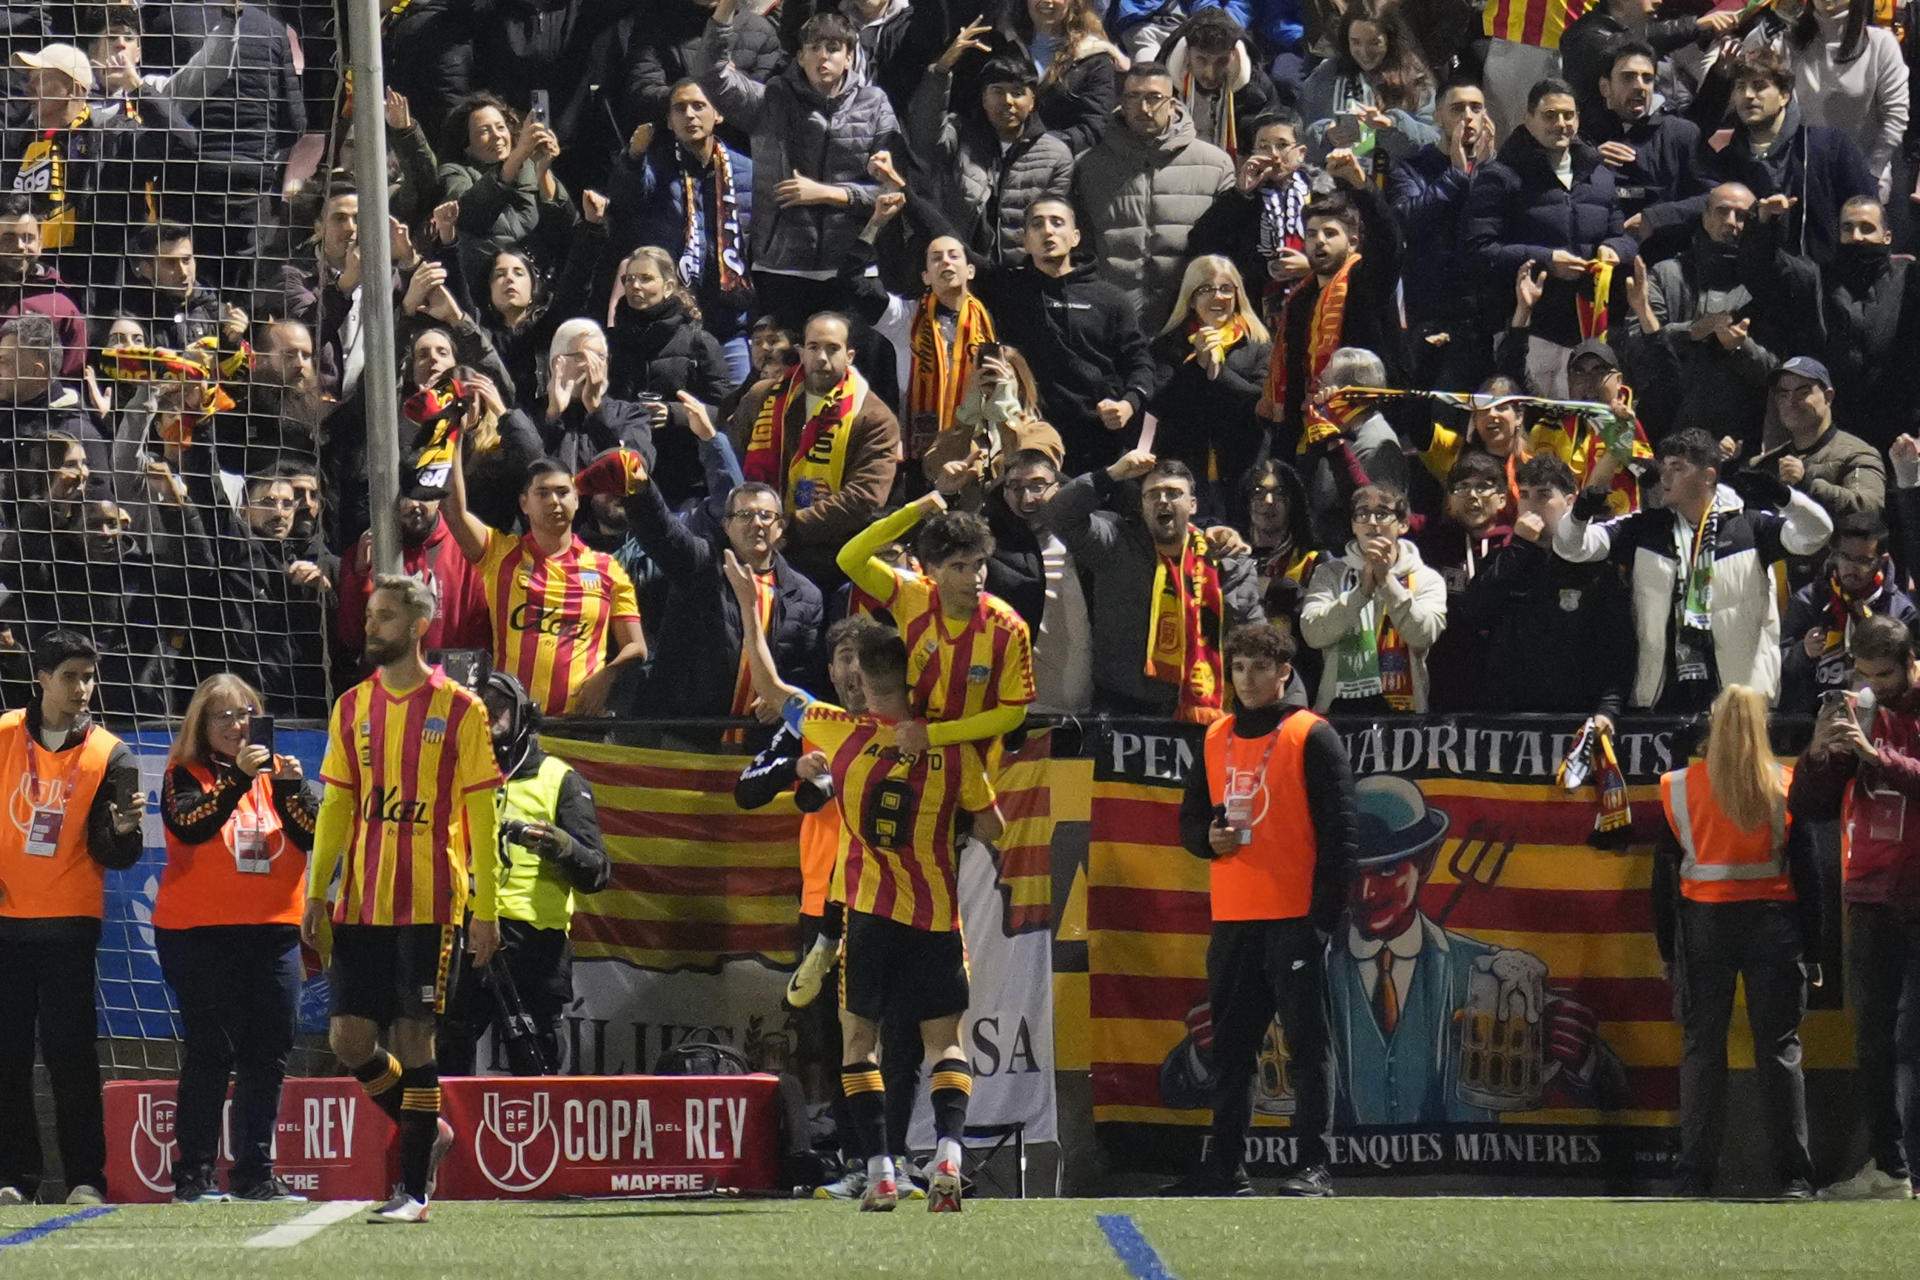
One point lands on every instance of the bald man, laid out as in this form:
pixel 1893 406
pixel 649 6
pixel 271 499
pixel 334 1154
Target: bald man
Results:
pixel 1693 354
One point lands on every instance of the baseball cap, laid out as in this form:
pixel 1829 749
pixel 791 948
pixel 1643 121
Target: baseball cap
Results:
pixel 63 58
pixel 1804 367
pixel 1596 348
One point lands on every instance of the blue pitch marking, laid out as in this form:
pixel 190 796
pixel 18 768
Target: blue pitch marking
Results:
pixel 28 1235
pixel 1124 1235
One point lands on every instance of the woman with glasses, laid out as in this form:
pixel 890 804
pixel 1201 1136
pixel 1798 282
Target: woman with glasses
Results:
pixel 1373 612
pixel 1210 368
pixel 659 349
pixel 226 924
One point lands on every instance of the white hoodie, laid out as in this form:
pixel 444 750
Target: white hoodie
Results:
pixel 1337 605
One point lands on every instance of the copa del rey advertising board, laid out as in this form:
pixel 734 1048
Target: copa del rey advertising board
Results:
pixel 514 1139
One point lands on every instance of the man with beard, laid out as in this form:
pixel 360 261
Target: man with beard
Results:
pixel 429 553
pixel 409 808
pixel 164 291
pixel 820 437
pixel 280 403
pixel 1162 599
pixel 1345 300
pixel 1428 192
pixel 1695 361
pixel 550 851
pixel 28 284
pixel 701 668
pixel 565 618
pixel 1859 313
pixel 267 603
pixel 1837 469
pixel 1650 152
pixel 1032 570
pixel 1859 583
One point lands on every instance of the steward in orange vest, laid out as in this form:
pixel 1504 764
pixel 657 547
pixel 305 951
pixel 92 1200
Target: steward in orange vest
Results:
pixel 1736 896
pixel 73 814
pixel 1269 803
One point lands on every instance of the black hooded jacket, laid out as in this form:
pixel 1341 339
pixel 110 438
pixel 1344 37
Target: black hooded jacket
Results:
pixel 584 863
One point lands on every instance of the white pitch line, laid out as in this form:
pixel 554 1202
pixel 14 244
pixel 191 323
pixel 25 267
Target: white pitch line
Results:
pixel 308 1225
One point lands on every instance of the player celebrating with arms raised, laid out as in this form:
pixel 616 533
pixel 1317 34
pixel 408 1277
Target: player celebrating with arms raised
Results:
pixel 410 776
pixel 902 955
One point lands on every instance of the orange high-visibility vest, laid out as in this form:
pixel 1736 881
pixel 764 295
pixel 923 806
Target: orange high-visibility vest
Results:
pixel 247 873
pixel 1271 876
pixel 1723 862
pixel 48 879
pixel 820 863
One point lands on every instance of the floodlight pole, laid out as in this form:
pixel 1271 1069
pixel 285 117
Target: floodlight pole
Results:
pixel 379 379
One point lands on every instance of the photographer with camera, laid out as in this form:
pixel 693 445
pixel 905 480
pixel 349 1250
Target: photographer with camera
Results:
pixel 550 850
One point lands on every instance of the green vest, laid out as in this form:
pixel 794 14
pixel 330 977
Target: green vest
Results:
pixel 532 888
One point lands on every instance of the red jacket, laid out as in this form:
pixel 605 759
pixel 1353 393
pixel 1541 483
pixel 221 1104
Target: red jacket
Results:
pixel 460 612
pixel 1874 801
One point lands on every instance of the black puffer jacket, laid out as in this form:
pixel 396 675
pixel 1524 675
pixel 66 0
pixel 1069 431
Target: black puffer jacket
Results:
pixel 1199 414
pixel 661 351
pixel 1517 211
pixel 255 109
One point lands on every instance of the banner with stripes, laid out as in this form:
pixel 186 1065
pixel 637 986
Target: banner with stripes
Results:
pixel 1529 1024
pixel 1535 22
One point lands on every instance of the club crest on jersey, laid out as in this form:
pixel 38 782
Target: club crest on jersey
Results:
pixel 434 730
pixel 978 675
pixel 589 580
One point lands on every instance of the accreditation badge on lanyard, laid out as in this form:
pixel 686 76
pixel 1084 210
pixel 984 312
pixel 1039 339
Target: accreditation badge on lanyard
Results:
pixel 49 811
pixel 251 857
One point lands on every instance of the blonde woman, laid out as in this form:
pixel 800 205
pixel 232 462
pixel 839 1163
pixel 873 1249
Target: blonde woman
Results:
pixel 657 350
pixel 226 924
pixel 1210 366
pixel 1736 899
pixel 1079 67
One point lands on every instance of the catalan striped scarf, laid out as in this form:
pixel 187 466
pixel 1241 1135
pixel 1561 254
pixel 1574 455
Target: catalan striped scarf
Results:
pixel 1592 305
pixel 807 479
pixel 201 364
pixel 1324 332
pixel 1185 628
pixel 1226 131
pixel 940 371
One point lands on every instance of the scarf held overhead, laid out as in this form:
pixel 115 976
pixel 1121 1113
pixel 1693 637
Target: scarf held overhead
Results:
pixel 1185 628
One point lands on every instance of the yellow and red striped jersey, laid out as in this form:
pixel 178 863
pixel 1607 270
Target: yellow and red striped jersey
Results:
pixel 552 615
pixel 1535 22
pixel 986 663
pixel 897 814
pixel 409 761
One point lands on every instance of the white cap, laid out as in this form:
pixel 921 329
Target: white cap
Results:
pixel 63 58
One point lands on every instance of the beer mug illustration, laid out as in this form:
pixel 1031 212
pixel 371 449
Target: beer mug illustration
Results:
pixel 1502 1051
pixel 1273 1082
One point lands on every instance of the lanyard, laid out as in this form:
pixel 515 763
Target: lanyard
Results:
pixel 1265 755
pixel 33 771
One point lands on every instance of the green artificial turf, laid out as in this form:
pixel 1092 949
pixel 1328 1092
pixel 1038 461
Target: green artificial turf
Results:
pixel 1431 1239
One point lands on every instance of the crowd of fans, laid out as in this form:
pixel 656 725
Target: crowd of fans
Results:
pixel 1515 355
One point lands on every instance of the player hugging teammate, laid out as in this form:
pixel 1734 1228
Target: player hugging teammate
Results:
pixel 912 774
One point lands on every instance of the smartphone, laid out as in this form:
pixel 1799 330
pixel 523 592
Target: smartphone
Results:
pixel 1834 702
pixel 260 730
pixel 538 111
pixel 988 351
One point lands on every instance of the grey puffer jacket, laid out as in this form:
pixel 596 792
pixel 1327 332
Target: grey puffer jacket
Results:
pixel 983 190
pixel 1138 198
pixel 794 128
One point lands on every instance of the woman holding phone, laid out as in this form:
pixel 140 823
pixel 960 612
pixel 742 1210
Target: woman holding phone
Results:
pixel 226 924
pixel 1736 896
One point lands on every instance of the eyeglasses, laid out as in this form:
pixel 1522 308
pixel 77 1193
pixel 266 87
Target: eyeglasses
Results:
pixel 234 715
pixel 1376 516
pixel 1032 488
pixel 1861 562
pixel 1476 488
pixel 1221 289
pixel 1151 101
pixel 755 517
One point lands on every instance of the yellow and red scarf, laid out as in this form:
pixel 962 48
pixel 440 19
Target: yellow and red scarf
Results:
pixel 743 677
pixel 1223 339
pixel 815 467
pixel 940 371
pixel 202 364
pixel 1226 131
pixel 1184 631
pixel 1324 330
pixel 1591 305
pixel 725 225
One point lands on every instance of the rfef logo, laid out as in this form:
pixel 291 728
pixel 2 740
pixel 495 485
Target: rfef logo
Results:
pixel 517 1147
pixel 152 1145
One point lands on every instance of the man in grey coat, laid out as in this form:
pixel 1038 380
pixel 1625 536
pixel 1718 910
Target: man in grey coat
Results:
pixel 814 127
pixel 1143 187
pixel 1122 556
pixel 992 163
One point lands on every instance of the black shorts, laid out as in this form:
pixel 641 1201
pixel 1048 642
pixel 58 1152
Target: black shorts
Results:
pixel 890 971
pixel 382 972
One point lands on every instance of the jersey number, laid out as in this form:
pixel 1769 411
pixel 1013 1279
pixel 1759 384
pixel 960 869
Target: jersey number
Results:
pixel 888 821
